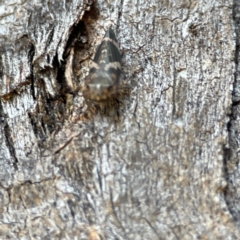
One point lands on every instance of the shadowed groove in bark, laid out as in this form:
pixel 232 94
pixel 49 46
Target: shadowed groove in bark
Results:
pixel 231 156
pixel 75 48
pixel 31 55
pixel 10 144
pixel 59 102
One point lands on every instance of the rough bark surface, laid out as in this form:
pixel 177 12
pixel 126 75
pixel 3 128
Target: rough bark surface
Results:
pixel 161 163
pixel 232 165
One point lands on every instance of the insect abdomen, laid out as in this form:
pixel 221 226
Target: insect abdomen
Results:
pixel 103 79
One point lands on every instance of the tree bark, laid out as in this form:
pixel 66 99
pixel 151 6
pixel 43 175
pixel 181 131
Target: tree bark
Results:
pixel 161 162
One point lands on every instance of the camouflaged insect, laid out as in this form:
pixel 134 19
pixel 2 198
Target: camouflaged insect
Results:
pixel 103 80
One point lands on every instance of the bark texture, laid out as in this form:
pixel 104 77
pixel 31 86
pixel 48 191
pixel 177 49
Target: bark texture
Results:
pixel 161 163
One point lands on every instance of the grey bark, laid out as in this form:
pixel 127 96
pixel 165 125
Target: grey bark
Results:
pixel 163 163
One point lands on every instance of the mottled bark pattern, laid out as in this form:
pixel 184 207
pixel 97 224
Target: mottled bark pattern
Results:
pixel 162 163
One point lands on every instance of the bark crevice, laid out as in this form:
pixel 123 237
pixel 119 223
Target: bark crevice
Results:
pixel 231 152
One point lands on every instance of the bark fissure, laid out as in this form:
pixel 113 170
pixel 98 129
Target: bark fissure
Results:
pixel 10 144
pixel 231 152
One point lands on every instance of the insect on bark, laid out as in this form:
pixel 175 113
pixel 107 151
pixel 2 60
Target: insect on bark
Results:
pixel 103 80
